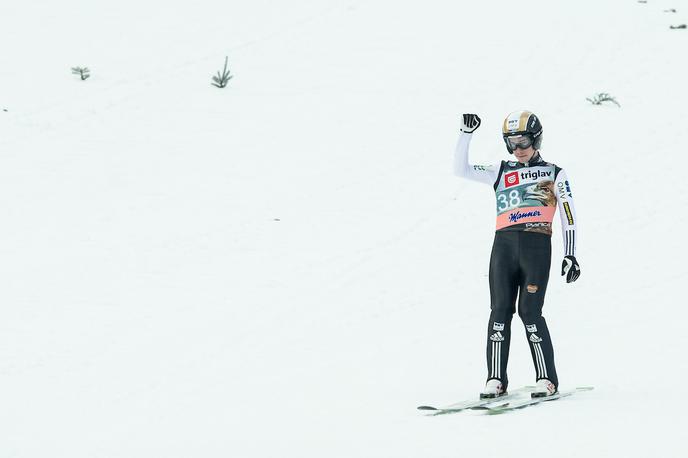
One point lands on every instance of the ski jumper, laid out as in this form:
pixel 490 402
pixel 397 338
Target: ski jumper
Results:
pixel 527 196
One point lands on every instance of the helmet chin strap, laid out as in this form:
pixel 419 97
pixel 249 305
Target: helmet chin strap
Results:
pixel 533 159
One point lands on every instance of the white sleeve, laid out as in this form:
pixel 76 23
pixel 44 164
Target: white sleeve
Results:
pixel 567 213
pixel 483 173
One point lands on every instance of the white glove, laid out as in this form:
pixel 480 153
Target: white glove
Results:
pixel 470 123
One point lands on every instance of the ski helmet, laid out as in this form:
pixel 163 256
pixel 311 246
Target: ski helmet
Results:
pixel 522 123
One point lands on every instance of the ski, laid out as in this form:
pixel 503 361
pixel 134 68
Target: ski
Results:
pixel 522 403
pixel 478 403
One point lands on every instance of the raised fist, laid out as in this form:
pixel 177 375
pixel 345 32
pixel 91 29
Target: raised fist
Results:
pixel 470 123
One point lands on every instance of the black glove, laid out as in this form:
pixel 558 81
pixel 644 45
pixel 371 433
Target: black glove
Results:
pixel 470 123
pixel 570 268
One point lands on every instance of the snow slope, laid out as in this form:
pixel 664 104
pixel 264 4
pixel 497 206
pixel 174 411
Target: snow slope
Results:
pixel 287 267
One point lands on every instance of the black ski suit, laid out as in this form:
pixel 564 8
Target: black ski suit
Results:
pixel 527 197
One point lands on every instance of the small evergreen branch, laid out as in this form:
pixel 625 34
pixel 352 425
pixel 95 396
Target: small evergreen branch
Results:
pixel 222 78
pixel 83 72
pixel 602 97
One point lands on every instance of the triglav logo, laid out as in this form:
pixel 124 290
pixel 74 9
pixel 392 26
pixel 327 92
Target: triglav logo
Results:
pixel 530 175
pixel 511 179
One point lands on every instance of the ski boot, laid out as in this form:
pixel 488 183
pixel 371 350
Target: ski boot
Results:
pixel 543 388
pixel 493 389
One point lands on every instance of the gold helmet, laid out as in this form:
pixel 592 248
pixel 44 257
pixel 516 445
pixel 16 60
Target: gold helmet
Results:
pixel 522 123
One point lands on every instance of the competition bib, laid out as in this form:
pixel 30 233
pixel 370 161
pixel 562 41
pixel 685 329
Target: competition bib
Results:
pixel 525 198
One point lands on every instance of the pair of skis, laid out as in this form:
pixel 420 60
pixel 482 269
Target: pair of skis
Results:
pixel 514 399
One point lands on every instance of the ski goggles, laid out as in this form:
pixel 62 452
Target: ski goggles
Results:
pixel 519 141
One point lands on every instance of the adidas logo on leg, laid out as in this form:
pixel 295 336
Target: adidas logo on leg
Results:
pixel 497 337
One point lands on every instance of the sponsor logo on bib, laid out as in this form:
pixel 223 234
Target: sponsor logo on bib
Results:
pixel 534 175
pixel 510 179
pixel 517 215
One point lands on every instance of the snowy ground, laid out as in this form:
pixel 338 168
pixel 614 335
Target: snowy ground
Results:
pixel 287 267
